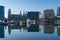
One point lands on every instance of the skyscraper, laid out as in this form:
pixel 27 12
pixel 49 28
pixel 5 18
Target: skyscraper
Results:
pixel 9 14
pixel 1 12
pixel 58 11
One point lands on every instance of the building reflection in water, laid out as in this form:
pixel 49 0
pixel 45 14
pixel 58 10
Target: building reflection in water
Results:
pixel 2 32
pixel 33 28
pixel 58 30
pixel 12 27
pixel 15 26
pixel 49 29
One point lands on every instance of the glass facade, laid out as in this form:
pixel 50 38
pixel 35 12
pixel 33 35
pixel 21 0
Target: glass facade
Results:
pixel 58 11
pixel 1 12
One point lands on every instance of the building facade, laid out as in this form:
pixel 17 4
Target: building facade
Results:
pixel 1 12
pixel 33 15
pixel 49 16
pixel 58 11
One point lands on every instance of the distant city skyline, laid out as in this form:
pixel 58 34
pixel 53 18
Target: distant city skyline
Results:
pixel 29 5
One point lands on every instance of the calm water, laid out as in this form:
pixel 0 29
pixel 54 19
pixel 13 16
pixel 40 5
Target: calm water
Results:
pixel 33 32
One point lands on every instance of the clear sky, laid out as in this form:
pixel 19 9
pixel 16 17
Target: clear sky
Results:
pixel 29 5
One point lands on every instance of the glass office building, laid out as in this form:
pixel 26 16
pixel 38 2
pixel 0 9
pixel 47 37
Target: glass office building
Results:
pixel 1 12
pixel 58 11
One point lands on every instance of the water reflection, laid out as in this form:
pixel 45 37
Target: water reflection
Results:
pixel 49 29
pixel 12 27
pixel 58 30
pixel 2 32
pixel 33 28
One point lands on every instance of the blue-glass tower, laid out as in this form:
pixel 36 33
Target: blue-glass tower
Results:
pixel 1 12
pixel 58 11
